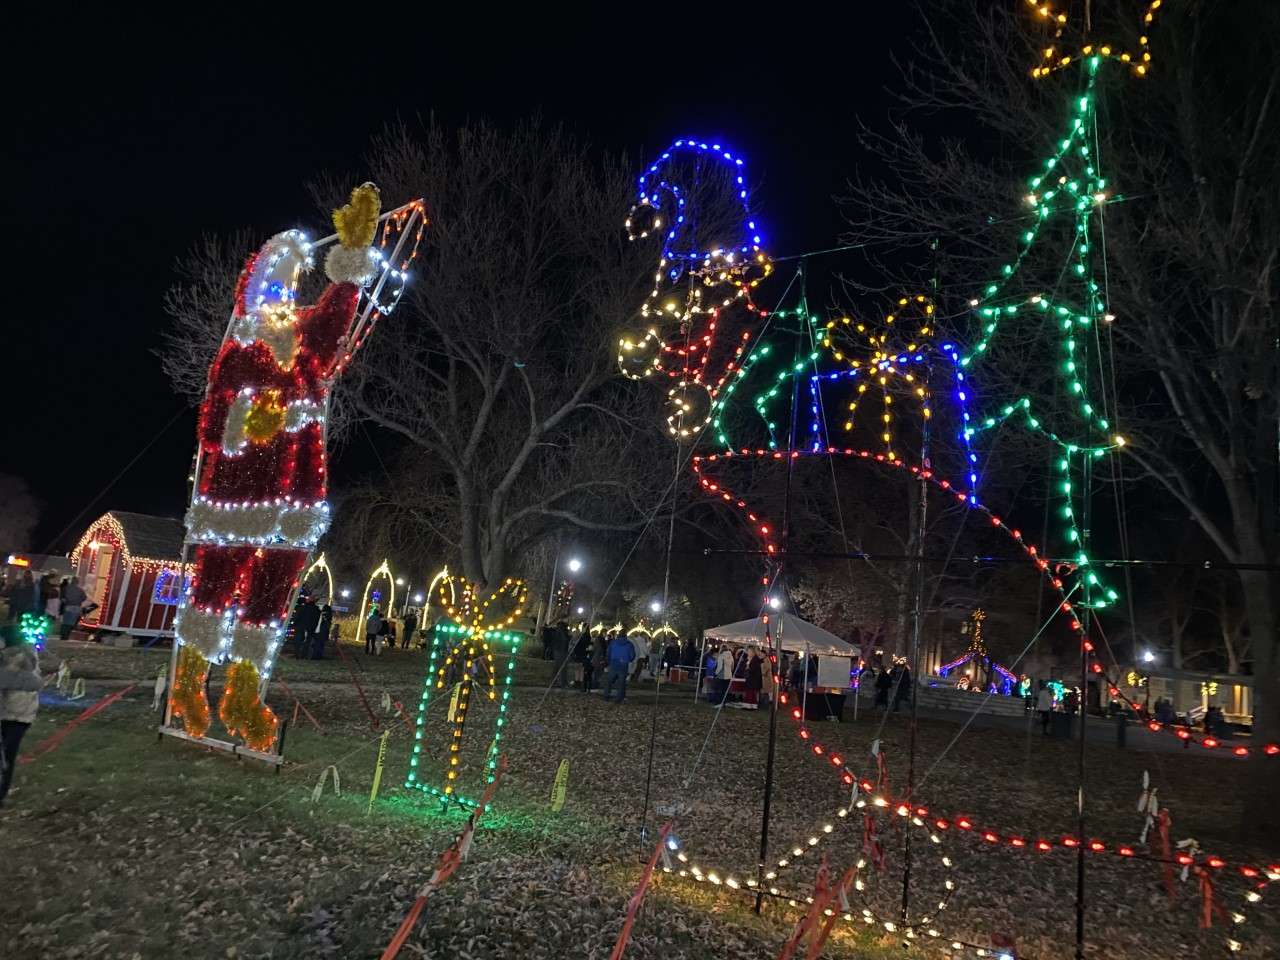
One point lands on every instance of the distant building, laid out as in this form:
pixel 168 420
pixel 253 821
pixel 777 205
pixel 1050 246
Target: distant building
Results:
pixel 130 565
pixel 1194 692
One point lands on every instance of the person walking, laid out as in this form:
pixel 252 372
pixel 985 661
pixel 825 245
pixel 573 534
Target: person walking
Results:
pixel 1044 707
pixel 73 598
pixel 19 700
pixel 621 652
pixel 372 631
pixel 755 679
pixel 408 625
pixel 321 634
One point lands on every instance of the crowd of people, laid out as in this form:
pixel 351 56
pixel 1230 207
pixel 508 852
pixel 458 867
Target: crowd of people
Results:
pixel 64 602
pixel 737 675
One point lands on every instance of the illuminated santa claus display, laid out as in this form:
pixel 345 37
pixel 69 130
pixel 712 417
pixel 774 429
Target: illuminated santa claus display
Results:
pixel 258 506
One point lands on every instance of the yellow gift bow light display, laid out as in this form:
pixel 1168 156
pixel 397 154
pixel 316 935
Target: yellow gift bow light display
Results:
pixel 1055 58
pixel 460 652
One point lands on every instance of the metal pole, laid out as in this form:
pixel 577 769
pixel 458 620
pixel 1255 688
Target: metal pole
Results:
pixel 1083 707
pixel 768 769
pixel 551 591
pixel 922 515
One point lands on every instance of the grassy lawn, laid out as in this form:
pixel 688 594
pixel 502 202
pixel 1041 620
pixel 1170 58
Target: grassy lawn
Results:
pixel 116 845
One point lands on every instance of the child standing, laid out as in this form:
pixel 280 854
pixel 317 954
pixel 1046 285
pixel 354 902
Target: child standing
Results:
pixel 19 699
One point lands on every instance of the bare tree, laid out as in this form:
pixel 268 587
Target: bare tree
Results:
pixel 493 387
pixel 1192 249
pixel 20 510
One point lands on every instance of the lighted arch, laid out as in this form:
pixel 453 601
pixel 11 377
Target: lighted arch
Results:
pixel 431 591
pixel 382 570
pixel 320 564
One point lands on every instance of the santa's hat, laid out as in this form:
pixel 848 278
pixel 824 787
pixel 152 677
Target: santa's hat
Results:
pixel 270 277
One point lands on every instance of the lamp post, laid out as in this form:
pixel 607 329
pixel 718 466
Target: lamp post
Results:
pixel 574 566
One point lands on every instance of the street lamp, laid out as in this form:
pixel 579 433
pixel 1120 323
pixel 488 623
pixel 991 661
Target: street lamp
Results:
pixel 1148 657
pixel 417 598
pixel 655 606
pixel 399 581
pixel 574 566
pixel 775 603
pixel 346 592
pixel 581 611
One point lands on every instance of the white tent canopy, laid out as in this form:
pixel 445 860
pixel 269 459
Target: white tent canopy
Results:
pixel 789 633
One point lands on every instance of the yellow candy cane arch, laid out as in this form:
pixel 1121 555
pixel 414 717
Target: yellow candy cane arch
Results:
pixel 462 649
pixel 382 570
pixel 431 589
pixel 321 563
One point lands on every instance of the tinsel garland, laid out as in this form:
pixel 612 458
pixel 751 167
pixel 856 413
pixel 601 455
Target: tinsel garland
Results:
pixel 252 642
pixel 297 523
pixel 242 712
pixel 188 699
pixel 199 629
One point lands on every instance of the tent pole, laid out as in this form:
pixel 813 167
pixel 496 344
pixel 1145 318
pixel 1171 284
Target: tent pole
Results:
pixel 699 676
pixel 804 689
pixel 768 766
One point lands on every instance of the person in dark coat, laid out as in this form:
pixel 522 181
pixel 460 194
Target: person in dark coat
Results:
pixel 306 621
pixel 797 674
pixel 321 635
pixel 73 598
pixel 408 624
pixel 22 597
pixel 903 690
pixel 883 682
pixel 600 657
pixel 671 657
pixel 583 655
pixel 689 655
pixel 560 651
pixel 755 678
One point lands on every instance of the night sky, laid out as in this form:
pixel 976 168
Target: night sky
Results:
pixel 122 158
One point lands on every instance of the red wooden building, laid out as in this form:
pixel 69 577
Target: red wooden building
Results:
pixel 129 564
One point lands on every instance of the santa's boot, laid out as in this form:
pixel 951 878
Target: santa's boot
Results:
pixel 241 710
pixel 188 700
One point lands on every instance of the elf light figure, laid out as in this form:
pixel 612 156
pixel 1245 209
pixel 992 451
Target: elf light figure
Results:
pixel 259 506
pixel 681 329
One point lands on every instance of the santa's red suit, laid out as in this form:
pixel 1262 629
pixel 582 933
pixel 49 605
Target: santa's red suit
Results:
pixel 259 502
